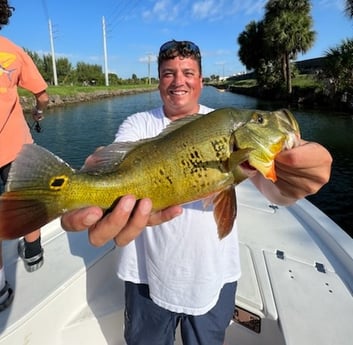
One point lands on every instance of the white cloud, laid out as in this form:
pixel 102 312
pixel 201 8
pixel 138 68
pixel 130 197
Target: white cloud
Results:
pixel 340 4
pixel 164 10
pixel 148 58
pixel 210 10
pixel 206 9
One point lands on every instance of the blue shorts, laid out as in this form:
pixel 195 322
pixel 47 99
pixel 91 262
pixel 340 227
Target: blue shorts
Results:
pixel 4 173
pixel 148 324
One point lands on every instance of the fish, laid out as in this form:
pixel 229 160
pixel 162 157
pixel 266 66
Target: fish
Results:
pixel 199 157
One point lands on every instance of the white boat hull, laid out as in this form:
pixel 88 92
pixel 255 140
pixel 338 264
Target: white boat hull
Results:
pixel 296 286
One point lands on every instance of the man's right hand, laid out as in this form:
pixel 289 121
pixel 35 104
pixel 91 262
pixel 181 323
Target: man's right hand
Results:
pixel 123 224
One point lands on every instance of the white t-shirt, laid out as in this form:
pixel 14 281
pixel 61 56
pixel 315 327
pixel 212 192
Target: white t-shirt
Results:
pixel 183 261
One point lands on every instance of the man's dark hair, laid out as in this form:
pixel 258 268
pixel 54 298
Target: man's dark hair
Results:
pixel 171 49
pixel 5 12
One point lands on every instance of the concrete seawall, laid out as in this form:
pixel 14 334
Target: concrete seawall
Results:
pixel 56 101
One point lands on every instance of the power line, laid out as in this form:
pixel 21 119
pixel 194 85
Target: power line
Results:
pixel 45 8
pixel 122 10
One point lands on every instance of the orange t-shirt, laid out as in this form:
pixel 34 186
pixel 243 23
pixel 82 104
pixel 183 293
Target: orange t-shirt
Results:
pixel 16 69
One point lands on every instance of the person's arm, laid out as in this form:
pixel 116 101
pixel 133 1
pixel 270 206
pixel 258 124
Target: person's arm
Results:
pixel 42 100
pixel 301 171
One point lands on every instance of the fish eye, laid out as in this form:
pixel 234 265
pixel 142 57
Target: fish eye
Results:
pixel 258 118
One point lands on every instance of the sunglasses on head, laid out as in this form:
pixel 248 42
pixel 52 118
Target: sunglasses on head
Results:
pixel 180 45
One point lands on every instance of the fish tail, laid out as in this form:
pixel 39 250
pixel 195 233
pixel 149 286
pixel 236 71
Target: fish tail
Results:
pixel 31 196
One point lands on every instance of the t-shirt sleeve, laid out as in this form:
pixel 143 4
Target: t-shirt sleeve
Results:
pixel 129 130
pixel 30 77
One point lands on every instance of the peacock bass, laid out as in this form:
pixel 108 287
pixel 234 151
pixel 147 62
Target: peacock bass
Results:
pixel 197 157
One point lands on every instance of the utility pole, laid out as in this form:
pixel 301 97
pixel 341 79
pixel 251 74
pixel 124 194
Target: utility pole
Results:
pixel 105 53
pixel 53 54
pixel 149 69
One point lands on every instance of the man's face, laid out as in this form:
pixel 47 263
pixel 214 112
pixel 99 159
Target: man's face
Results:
pixel 180 86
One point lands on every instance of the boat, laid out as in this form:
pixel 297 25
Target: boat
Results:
pixel 296 285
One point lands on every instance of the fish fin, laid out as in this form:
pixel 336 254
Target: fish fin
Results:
pixel 179 123
pixel 208 201
pixel 235 159
pixel 225 211
pixel 106 159
pixel 109 157
pixel 239 156
pixel 20 216
pixel 271 173
pixel 30 199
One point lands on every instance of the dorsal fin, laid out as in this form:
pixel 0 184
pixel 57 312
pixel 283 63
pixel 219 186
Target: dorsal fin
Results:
pixel 106 159
pixel 179 123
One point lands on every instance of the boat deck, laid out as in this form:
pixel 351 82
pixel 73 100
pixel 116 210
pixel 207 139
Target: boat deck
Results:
pixel 296 286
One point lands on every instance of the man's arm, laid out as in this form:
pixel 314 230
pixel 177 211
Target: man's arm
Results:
pixel 42 100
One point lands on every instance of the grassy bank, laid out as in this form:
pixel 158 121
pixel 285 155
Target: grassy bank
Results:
pixel 65 90
pixel 306 90
pixel 63 95
pixel 301 81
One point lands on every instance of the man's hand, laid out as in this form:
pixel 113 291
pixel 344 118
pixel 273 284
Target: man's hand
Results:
pixel 301 171
pixel 123 224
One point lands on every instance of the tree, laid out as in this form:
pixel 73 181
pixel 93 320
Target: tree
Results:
pixel 89 74
pixel 38 61
pixel 338 68
pixel 64 71
pixel 349 8
pixel 256 55
pixel 287 31
pixel 252 36
pixel 48 68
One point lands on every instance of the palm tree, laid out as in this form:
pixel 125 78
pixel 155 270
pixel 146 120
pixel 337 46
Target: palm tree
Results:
pixel 256 55
pixel 349 8
pixel 339 66
pixel 251 45
pixel 288 31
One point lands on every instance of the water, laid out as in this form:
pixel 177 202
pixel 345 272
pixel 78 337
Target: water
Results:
pixel 73 132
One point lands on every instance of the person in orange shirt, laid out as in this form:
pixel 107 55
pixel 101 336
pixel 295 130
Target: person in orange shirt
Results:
pixel 17 69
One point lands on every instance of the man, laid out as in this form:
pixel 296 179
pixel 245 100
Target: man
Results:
pixel 17 69
pixel 176 270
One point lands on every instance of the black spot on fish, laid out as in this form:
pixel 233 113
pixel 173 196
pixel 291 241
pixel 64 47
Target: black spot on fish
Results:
pixel 58 182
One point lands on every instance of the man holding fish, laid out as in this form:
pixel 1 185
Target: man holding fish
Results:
pixel 176 269
pixel 180 264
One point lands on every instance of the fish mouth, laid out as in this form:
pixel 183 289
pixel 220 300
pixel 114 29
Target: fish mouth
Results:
pixel 248 169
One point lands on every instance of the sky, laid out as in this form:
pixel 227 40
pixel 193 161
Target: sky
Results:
pixel 135 29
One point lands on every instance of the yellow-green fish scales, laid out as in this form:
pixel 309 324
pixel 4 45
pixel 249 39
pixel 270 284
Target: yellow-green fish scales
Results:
pixel 193 158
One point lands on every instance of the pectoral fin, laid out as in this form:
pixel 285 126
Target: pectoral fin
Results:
pixel 271 173
pixel 225 211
